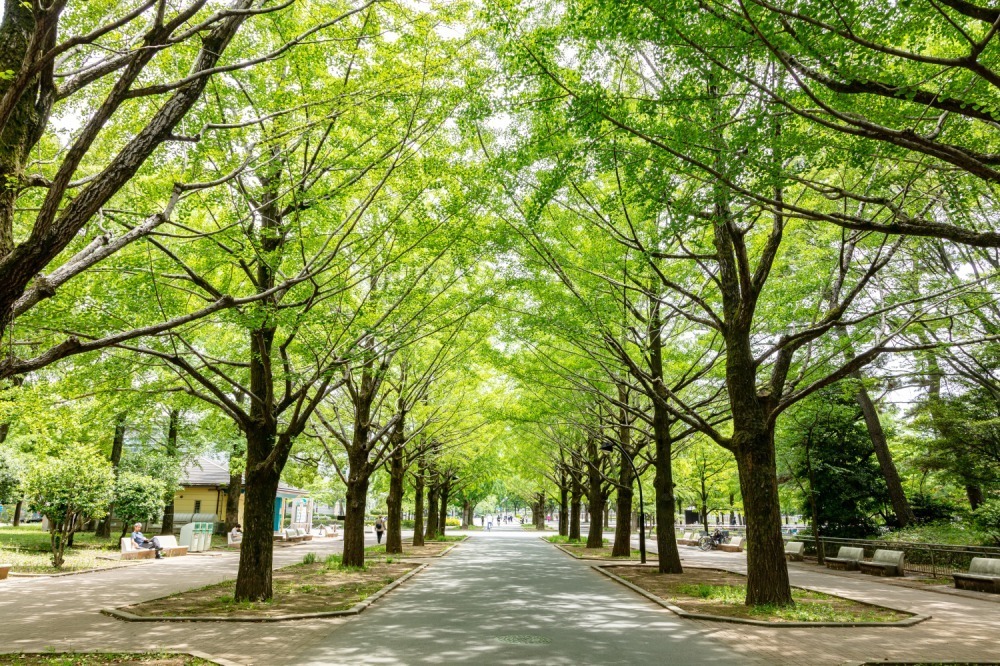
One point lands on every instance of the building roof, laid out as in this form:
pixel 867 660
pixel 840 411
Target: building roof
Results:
pixel 204 471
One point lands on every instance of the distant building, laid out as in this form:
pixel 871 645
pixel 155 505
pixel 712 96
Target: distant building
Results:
pixel 202 498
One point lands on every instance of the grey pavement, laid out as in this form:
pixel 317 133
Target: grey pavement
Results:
pixel 510 583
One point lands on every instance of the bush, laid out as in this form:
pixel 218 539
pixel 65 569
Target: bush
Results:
pixel 987 519
pixel 76 486
pixel 930 509
pixel 309 558
pixel 137 497
pixel 452 522
pixel 409 523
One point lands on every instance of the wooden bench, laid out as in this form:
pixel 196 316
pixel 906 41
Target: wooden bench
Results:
pixel 170 547
pixel 794 550
pixel 734 546
pixel 847 559
pixel 885 563
pixel 983 576
pixel 132 552
pixel 4 570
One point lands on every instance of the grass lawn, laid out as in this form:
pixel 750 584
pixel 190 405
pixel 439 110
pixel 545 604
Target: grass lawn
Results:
pixel 27 548
pixel 443 538
pixel 76 659
pixel 716 592
pixel 431 549
pixel 603 553
pixel 310 587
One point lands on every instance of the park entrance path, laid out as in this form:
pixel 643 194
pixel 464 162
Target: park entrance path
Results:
pixel 509 583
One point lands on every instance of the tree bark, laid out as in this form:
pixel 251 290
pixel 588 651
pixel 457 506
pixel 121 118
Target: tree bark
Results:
pixel 595 498
pixel 443 511
pixel 418 506
pixel 563 508
pixel 975 495
pixel 574 512
pixel 623 525
pixel 254 582
pixel 430 533
pixel 900 505
pixel 394 503
pixel 17 513
pixel 540 503
pixel 117 446
pixel 167 526
pixel 354 518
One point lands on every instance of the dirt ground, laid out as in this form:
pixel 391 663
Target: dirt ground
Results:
pixel 101 660
pixel 302 588
pixel 682 590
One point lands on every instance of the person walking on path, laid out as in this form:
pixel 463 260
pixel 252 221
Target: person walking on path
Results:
pixel 379 529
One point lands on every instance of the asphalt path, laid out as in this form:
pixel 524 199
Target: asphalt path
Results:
pixel 506 597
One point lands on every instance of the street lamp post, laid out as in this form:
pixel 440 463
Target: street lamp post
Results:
pixel 610 446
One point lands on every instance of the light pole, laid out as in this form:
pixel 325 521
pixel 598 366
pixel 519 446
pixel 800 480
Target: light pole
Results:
pixel 610 446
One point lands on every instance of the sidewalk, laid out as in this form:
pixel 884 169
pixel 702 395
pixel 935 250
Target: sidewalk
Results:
pixel 960 629
pixel 61 614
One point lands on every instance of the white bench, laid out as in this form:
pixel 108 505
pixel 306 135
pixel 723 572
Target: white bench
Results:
pixel 130 551
pixel 293 535
pixel 794 550
pixel 847 559
pixel 170 547
pixel 735 545
pixel 4 570
pixel 885 563
pixel 984 575
pixel 687 540
pixel 233 542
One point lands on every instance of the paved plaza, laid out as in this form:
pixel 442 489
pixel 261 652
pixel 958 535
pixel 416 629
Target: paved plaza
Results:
pixel 500 598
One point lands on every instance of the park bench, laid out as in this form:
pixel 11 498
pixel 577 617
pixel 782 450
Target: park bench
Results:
pixel 847 559
pixel 687 540
pixel 794 550
pixel 233 542
pixel 170 547
pixel 4 570
pixel 984 575
pixel 885 563
pixel 132 552
pixel 293 535
pixel 734 546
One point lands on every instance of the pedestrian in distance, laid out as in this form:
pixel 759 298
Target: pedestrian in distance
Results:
pixel 379 529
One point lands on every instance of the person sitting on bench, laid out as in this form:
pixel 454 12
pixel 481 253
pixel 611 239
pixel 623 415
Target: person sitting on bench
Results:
pixel 142 542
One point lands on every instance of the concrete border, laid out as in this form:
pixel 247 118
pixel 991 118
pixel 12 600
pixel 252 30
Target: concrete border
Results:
pixel 587 559
pixel 908 622
pixel 14 574
pixel 191 653
pixel 358 608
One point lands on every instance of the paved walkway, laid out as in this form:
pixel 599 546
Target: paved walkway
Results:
pixel 505 583
pixel 510 583
pixel 960 628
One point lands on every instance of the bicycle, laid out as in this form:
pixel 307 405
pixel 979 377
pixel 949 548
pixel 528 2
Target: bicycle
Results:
pixel 707 543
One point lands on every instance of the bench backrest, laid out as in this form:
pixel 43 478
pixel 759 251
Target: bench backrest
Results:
pixel 736 541
pixel 128 545
pixel 687 535
pixel 795 547
pixel 168 541
pixel 895 557
pixel 988 566
pixel 233 539
pixel 849 553
pixel 289 533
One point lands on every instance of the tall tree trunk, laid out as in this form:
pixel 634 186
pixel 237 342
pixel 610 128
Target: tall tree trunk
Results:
pixel 253 580
pixel 167 526
pixel 418 506
pixel 623 525
pixel 540 500
pixel 117 447
pixel 443 511
pixel 394 503
pixel 595 498
pixel 574 511
pixel 767 571
pixel 820 555
pixel 466 514
pixel 430 532
pixel 975 495
pixel 900 505
pixel 563 508
pixel 354 516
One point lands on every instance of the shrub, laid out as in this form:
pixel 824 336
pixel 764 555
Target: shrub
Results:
pixel 76 486
pixel 452 522
pixel 137 497
pixel 930 509
pixel 309 558
pixel 409 523
pixel 987 519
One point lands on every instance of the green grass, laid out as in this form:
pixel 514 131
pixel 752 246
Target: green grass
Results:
pixel 448 538
pixel 809 605
pixel 558 538
pixel 82 659
pixel 957 534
